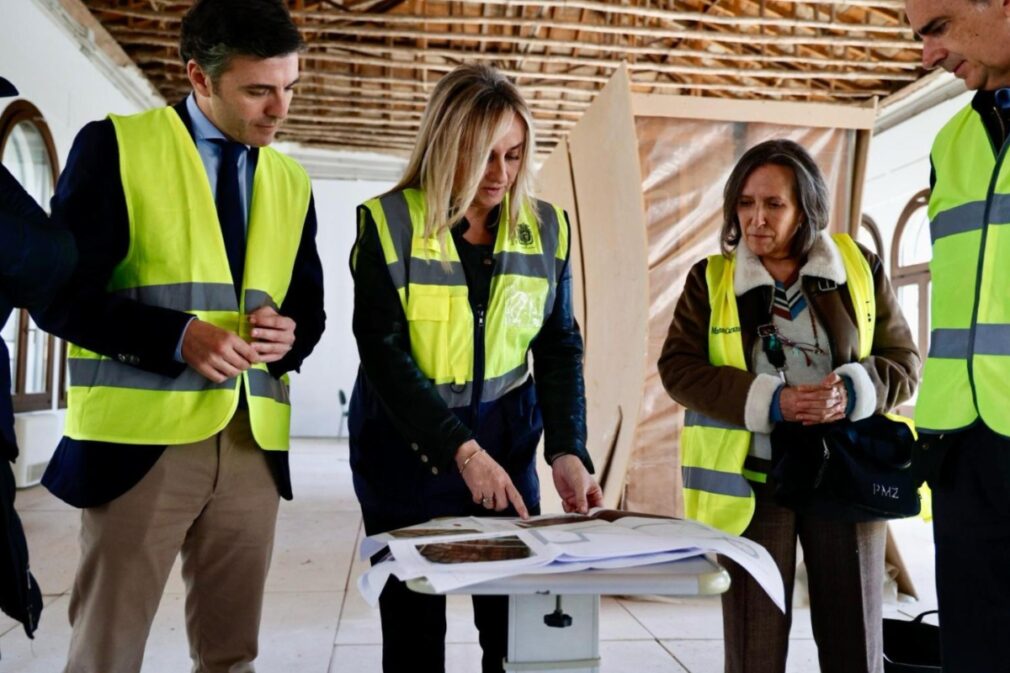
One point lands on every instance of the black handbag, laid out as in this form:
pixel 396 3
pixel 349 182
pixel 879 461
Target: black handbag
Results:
pixel 847 471
pixel 911 647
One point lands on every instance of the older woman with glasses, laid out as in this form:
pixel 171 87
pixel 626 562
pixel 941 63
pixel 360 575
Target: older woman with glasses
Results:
pixel 766 333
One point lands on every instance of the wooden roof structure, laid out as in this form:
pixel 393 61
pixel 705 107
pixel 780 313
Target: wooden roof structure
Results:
pixel 371 64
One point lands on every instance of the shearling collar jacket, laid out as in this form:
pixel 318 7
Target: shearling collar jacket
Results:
pixel 881 381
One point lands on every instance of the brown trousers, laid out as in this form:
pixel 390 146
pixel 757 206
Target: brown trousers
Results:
pixel 216 502
pixel 845 567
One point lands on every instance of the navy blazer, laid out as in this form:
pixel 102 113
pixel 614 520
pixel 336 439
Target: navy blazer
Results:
pixel 91 203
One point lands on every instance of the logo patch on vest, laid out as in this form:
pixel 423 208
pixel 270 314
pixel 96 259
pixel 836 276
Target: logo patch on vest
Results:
pixel 522 311
pixel 725 330
pixel 525 235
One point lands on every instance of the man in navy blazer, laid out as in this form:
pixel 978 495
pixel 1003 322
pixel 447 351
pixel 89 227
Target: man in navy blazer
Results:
pixel 215 499
pixel 35 260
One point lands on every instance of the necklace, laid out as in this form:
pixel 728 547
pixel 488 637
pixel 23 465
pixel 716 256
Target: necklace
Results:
pixel 808 350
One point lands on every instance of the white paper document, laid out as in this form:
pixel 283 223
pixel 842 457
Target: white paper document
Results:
pixel 457 552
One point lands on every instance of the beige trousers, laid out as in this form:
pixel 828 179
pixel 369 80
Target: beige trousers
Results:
pixel 216 502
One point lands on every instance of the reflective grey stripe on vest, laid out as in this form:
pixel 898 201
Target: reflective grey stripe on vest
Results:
pixel 992 339
pixel 185 296
pixel 550 233
pixel 694 418
pixel 533 265
pixel 456 396
pixel 432 272
pixel 255 299
pixel 263 384
pixel 89 373
pixel 401 231
pixel 949 343
pixel 712 481
pixel 499 386
pixel 1000 212
pixel 969 217
pixel 953 343
pixel 957 220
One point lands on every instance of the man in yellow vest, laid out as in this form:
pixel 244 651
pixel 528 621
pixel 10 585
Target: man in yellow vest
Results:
pixel 199 288
pixel 963 409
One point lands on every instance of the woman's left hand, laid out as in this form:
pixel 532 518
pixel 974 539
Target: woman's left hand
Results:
pixel 577 488
pixel 832 409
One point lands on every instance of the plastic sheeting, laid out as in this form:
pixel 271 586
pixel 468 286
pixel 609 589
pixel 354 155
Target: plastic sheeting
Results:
pixel 684 165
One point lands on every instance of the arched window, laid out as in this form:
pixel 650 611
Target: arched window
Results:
pixel 911 251
pixel 869 235
pixel 28 152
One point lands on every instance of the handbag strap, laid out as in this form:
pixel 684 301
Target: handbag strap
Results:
pixel 859 280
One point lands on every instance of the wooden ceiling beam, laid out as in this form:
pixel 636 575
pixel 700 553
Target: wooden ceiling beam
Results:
pixel 391 21
pixel 146 55
pixel 181 86
pixel 324 114
pixel 664 15
pixel 339 125
pixel 612 64
pixel 663 87
pixel 669 15
pixel 713 36
pixel 354 105
pixel 169 40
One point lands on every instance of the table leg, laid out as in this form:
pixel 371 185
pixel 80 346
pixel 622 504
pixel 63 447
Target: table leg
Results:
pixel 535 646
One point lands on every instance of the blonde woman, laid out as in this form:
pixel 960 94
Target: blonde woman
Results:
pixel 459 274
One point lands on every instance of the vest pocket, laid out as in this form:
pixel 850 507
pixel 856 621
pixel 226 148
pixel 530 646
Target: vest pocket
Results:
pixel 427 307
pixel 428 317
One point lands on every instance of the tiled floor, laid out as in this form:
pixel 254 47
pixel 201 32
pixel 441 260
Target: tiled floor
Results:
pixel 315 621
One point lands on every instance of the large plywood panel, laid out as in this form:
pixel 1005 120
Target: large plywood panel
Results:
pixel 554 182
pixel 608 191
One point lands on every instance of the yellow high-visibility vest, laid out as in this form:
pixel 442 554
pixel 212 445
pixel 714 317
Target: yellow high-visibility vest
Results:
pixel 177 260
pixel 434 294
pixel 967 370
pixel 716 487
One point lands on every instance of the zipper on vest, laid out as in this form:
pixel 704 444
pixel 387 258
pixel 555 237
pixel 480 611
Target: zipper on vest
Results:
pixel 1002 129
pixel 478 365
pixel 978 272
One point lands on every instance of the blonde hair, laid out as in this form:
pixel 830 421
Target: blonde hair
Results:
pixel 468 112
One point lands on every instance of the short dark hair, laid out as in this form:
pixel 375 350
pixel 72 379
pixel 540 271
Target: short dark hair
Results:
pixel 214 31
pixel 808 185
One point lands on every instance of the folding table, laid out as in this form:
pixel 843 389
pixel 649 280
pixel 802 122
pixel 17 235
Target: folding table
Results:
pixel 554 619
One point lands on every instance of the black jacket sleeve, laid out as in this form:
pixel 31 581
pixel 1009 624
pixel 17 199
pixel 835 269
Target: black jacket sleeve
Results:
pixel 304 300
pixel 90 203
pixel 380 328
pixel 557 370
pixel 36 258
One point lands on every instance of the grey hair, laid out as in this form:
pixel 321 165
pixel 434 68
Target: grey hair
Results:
pixel 214 61
pixel 808 186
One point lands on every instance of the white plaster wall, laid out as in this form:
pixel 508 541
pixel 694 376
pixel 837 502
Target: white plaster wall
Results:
pixel 48 66
pixel 898 164
pixel 334 363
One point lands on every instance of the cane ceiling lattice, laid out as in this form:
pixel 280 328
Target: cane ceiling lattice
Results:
pixel 371 64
